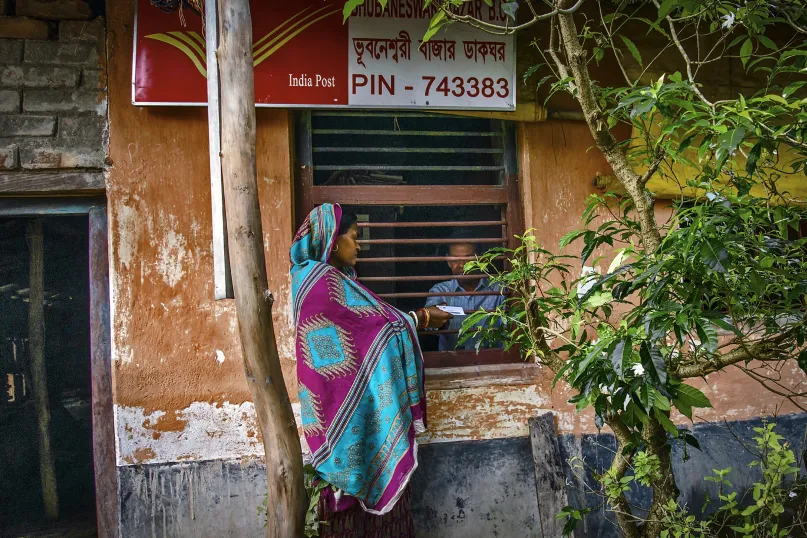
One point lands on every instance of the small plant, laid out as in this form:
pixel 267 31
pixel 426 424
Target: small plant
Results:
pixel 646 469
pixel 773 507
pixel 313 487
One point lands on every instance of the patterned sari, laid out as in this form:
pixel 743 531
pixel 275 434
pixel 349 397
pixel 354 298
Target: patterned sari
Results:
pixel 360 373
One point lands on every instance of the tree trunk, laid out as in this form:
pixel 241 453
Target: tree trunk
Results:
pixel 284 465
pixel 664 489
pixel 39 374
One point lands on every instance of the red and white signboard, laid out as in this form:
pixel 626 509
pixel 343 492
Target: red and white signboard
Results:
pixel 305 56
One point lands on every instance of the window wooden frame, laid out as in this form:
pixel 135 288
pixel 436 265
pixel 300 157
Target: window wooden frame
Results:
pixel 308 196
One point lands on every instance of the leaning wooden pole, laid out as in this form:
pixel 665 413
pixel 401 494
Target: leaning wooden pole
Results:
pixel 39 374
pixel 253 301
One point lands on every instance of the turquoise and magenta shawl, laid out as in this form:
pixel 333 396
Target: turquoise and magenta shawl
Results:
pixel 360 374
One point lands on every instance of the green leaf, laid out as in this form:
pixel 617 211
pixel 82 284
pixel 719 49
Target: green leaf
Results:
pixel 685 143
pixel 636 412
pixel 768 42
pixel 750 510
pixel 569 527
pixel 621 356
pixel 659 400
pixel 684 408
pixel 666 423
pixel 774 97
pixel 560 373
pixel 691 440
pixel 489 3
pixel 632 48
pixel 746 50
pixel 714 255
pixel 802 361
pixel 758 283
pixel 793 88
pixel 655 361
pixel 598 299
pixel 692 396
pixel 736 138
pixel 665 8
pixel 570 237
pixel 753 158
pixel 437 22
pixel 529 72
pixel 726 326
pixel 350 5
pixel 707 334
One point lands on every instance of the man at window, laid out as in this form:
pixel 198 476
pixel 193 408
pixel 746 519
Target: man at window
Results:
pixel 470 303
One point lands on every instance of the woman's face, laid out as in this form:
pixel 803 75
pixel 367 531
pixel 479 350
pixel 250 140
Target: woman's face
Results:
pixel 346 249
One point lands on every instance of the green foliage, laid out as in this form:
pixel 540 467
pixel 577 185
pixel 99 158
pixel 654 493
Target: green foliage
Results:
pixel 573 517
pixel 772 507
pixel 646 469
pixel 313 487
pixel 680 306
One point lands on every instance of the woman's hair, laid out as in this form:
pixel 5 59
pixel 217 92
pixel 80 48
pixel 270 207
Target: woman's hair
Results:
pixel 348 220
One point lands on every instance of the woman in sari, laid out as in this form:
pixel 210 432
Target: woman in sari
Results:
pixel 361 386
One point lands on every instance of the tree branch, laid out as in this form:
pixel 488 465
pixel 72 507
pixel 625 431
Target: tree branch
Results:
pixel 605 140
pixel 653 168
pixel 563 71
pixel 628 81
pixel 763 350
pixel 687 60
pixel 497 29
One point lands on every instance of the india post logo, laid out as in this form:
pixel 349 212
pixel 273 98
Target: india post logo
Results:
pixel 192 44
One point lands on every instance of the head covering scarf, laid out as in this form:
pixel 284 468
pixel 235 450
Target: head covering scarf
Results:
pixel 360 373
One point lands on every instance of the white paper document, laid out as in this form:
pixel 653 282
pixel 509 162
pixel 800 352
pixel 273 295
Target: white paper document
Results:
pixel 453 310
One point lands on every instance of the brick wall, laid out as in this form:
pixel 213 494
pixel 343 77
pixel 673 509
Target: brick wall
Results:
pixel 53 98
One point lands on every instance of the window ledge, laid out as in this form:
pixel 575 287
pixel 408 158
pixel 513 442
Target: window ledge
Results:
pixel 463 377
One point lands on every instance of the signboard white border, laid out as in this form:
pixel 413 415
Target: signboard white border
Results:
pixel 211 6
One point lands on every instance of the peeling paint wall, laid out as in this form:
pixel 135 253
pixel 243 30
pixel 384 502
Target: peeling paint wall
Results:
pixel 180 391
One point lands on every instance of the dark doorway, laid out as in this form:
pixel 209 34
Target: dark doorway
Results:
pixel 34 486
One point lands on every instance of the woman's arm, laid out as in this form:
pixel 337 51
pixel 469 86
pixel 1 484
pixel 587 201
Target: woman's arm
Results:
pixel 430 318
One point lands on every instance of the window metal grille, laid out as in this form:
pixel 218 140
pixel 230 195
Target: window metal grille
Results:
pixel 413 179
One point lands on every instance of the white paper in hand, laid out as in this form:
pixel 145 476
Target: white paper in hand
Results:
pixel 453 310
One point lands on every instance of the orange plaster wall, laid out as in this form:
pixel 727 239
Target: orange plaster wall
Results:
pixel 173 345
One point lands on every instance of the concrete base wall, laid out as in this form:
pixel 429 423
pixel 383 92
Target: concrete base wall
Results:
pixel 476 489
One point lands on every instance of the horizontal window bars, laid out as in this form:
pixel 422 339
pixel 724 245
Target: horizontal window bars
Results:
pixel 395 132
pixel 353 149
pixel 404 259
pixel 433 241
pixel 413 295
pixel 419 278
pixel 405 167
pixel 433 224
